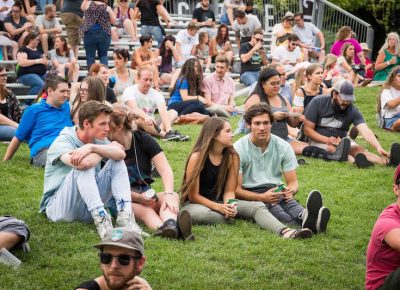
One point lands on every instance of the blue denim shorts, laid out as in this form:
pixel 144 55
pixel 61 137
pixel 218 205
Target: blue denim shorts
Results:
pixel 389 121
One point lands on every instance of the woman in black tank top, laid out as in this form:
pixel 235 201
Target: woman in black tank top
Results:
pixel 313 88
pixel 267 91
pixel 211 174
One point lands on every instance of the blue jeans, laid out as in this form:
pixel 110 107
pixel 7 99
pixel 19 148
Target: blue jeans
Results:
pixel 187 107
pixel 43 4
pixel 249 77
pixel 225 19
pixel 96 39
pixel 35 81
pixel 7 132
pixel 154 31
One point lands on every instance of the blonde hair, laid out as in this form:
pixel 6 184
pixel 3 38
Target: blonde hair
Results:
pixel 386 44
pixel 330 59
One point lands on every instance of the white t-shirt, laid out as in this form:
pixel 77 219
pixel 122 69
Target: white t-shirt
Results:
pixel 282 54
pixel 186 41
pixel 8 4
pixel 307 33
pixel 248 28
pixel 386 96
pixel 148 103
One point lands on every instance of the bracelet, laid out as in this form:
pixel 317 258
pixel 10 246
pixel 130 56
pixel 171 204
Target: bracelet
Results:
pixel 388 63
pixel 169 192
pixel 37 61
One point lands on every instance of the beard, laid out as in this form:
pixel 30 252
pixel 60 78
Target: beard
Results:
pixel 337 108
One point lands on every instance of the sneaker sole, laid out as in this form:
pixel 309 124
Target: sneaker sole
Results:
pixel 169 234
pixel 173 138
pixel 185 225
pixel 184 138
pixel 323 218
pixel 313 205
pixel 362 161
pixel 303 234
pixel 394 155
pixel 346 149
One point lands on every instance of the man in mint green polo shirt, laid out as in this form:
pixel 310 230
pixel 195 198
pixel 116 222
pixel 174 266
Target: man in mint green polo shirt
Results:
pixel 267 162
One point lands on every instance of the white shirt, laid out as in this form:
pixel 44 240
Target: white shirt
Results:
pixel 186 41
pixel 147 102
pixel 386 96
pixel 307 33
pixel 282 54
pixel 8 4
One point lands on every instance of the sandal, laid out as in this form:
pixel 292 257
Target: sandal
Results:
pixel 289 233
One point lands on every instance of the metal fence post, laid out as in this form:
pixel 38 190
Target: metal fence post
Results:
pixel 370 39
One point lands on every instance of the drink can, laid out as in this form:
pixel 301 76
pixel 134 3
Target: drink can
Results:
pixel 234 202
pixel 150 194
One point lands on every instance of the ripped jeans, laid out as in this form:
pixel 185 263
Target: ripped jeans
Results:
pixel 85 190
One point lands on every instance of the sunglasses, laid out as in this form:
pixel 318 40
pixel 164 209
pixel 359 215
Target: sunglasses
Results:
pixel 259 39
pixel 122 1
pixel 293 43
pixel 123 260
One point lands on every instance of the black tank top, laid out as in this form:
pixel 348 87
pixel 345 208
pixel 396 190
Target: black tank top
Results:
pixel 208 181
pixel 279 128
pixel 308 98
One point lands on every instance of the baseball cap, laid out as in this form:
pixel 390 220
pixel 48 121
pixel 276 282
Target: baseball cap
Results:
pixel 346 90
pixel 396 174
pixel 288 15
pixel 120 237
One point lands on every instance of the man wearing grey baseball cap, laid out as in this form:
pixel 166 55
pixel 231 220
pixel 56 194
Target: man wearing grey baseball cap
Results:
pixel 327 122
pixel 121 260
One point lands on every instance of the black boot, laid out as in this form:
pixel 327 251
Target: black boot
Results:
pixel 168 230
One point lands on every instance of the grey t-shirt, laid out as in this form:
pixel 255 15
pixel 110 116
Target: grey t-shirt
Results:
pixel 307 33
pixel 248 28
pixel 42 22
pixel 329 123
pixel 60 58
pixel 55 170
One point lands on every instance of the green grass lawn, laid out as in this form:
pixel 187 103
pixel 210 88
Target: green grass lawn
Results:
pixel 239 256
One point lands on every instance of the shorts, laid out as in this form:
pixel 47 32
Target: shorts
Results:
pixel 15 226
pixel 72 24
pixel 390 121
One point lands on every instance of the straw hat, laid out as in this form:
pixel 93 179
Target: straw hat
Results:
pixel 364 46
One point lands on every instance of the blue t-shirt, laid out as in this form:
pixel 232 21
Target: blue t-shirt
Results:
pixel 41 123
pixel 181 84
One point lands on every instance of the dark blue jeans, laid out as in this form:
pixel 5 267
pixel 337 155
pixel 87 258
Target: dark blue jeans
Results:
pixel 187 107
pixel 96 39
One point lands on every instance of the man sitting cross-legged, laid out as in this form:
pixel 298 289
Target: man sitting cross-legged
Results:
pixel 75 186
pixel 144 101
pixel 327 121
pixel 264 160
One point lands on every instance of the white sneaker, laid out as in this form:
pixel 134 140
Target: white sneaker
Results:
pixel 102 221
pixel 126 220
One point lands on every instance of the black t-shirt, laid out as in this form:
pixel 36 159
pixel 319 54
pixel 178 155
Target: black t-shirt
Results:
pixel 18 25
pixel 208 181
pixel 4 109
pixel 329 123
pixel 255 62
pixel 148 12
pixel 89 285
pixel 72 6
pixel 39 69
pixel 110 95
pixel 146 148
pixel 202 15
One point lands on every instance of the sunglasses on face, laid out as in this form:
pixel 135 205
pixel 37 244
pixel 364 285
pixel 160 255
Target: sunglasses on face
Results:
pixel 123 260
pixel 122 1
pixel 293 43
pixel 258 39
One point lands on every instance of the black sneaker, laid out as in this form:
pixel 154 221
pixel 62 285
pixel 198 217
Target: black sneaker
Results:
pixel 342 151
pixel 170 136
pixel 394 155
pixel 362 161
pixel 185 225
pixel 168 230
pixel 182 138
pixel 324 215
pixel 310 213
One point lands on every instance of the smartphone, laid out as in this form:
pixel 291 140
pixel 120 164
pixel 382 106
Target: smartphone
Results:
pixel 158 129
pixel 280 188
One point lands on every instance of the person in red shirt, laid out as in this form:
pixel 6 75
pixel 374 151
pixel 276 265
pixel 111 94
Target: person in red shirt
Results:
pixel 383 254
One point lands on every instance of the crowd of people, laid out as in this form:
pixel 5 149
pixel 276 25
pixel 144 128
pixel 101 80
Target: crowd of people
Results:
pixel 95 137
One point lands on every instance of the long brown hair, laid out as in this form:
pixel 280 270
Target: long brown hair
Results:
pixel 344 49
pixel 65 46
pixel 96 92
pixel 3 90
pixel 204 144
pixel 122 115
pixel 195 80
pixel 220 38
pixel 343 33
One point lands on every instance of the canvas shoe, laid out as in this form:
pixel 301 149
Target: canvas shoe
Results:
pixel 168 230
pixel 342 151
pixel 126 220
pixel 182 138
pixel 362 161
pixel 324 215
pixel 102 221
pixel 170 136
pixel 394 155
pixel 289 233
pixel 185 225
pixel 310 213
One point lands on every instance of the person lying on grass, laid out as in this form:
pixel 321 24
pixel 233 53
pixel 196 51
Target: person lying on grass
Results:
pixel 159 211
pixel 265 161
pixel 383 253
pixel 327 122
pixel 209 183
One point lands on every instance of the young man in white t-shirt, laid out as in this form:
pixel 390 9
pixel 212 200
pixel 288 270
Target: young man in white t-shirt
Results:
pixel 244 26
pixel 288 55
pixel 144 101
pixel 186 39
